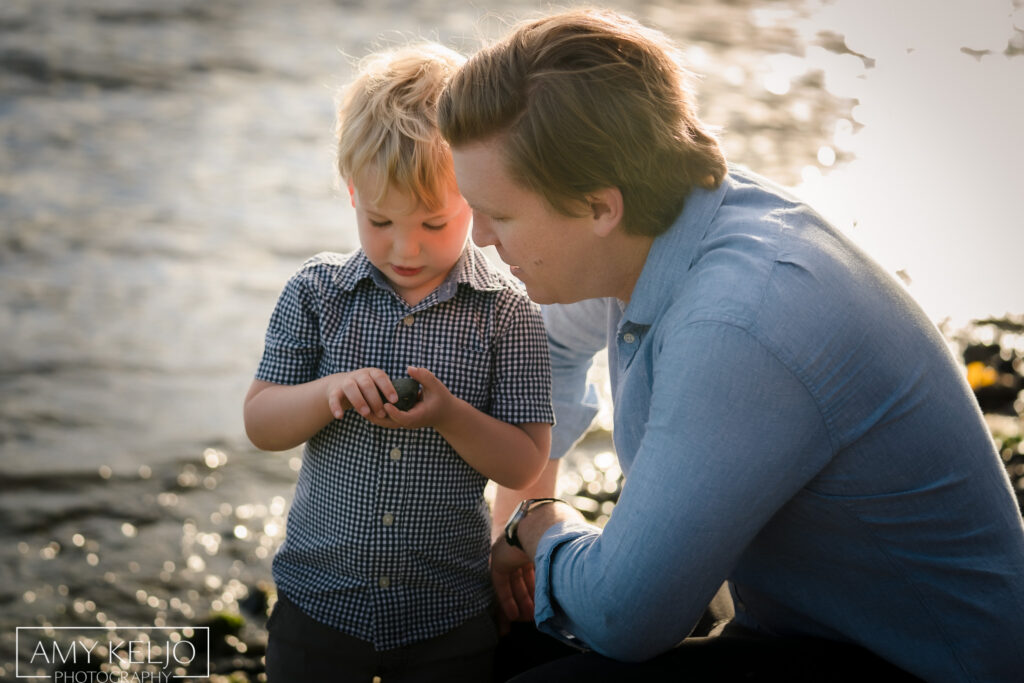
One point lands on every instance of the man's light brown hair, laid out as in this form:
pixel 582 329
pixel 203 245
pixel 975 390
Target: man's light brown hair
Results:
pixel 387 123
pixel 586 100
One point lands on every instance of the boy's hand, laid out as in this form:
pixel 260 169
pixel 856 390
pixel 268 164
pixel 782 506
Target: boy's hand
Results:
pixel 360 390
pixel 431 408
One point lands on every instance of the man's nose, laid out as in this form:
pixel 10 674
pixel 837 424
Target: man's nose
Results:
pixel 483 236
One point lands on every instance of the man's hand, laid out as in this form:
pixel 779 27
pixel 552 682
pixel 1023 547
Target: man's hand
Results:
pixel 513 579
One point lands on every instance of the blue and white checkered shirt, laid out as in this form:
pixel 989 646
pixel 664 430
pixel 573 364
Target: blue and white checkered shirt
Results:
pixel 388 534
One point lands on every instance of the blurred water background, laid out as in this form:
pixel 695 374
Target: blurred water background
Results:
pixel 166 165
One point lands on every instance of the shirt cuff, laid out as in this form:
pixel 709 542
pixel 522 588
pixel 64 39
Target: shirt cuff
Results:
pixel 547 614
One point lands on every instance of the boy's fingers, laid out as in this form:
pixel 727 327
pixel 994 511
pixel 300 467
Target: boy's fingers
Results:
pixel 395 414
pixel 421 375
pixel 355 397
pixel 334 403
pixel 385 388
pixel 368 387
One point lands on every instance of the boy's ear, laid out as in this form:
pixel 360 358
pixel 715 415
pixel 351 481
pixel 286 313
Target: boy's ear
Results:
pixel 351 193
pixel 606 209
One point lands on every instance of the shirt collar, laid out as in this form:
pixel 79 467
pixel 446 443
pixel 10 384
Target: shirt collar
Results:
pixel 672 254
pixel 472 269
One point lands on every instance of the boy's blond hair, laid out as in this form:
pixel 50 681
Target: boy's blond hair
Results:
pixel 584 100
pixel 387 122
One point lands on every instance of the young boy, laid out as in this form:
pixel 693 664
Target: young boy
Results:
pixel 384 570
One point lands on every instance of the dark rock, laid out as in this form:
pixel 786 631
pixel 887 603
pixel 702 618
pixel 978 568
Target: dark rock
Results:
pixel 408 392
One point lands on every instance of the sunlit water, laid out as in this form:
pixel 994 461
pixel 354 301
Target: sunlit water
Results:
pixel 166 166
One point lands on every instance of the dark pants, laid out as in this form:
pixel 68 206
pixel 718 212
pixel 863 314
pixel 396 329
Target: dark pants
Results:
pixel 300 648
pixel 734 654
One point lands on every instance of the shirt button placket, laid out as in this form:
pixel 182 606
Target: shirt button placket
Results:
pixel 387 518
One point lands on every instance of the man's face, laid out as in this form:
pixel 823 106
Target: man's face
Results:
pixel 544 248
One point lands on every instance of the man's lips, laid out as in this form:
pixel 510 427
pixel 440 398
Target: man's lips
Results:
pixel 406 272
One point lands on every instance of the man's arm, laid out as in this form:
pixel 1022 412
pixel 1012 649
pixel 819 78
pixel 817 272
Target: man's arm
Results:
pixel 575 333
pixel 732 436
pixel 511 569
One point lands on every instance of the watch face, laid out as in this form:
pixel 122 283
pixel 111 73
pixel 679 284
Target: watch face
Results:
pixel 513 523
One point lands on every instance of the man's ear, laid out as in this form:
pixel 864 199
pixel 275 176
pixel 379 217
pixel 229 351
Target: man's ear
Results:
pixel 605 209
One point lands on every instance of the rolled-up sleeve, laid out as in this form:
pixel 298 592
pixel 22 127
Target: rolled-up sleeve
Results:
pixel 576 332
pixel 732 435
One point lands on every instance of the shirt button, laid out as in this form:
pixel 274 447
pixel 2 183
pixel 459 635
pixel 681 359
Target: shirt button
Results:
pixel 383 582
pixel 629 337
pixel 388 519
pixel 396 454
pixel 408 320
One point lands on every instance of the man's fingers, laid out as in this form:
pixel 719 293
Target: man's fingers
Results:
pixel 503 592
pixel 522 596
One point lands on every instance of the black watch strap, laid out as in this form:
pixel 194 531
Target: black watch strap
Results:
pixel 512 526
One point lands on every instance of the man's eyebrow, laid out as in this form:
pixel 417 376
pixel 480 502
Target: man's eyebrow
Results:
pixel 477 207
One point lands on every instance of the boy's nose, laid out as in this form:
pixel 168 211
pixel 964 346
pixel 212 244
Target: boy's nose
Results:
pixel 406 246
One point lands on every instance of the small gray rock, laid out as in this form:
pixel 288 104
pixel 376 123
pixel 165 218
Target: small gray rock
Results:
pixel 408 392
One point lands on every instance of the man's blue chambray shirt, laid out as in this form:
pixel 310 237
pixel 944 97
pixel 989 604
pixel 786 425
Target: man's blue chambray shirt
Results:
pixel 788 418
pixel 388 535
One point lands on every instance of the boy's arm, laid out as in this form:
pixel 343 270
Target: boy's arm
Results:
pixel 282 416
pixel 510 455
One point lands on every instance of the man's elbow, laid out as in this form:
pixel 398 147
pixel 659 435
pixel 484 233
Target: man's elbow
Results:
pixel 623 646
pixel 630 635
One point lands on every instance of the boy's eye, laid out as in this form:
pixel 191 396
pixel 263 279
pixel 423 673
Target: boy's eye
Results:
pixel 379 224
pixel 428 226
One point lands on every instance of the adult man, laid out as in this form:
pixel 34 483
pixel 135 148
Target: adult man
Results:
pixel 786 416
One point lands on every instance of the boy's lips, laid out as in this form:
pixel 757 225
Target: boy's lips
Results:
pixel 406 272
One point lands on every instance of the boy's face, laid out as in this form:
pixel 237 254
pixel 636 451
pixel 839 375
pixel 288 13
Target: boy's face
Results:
pixel 549 251
pixel 414 247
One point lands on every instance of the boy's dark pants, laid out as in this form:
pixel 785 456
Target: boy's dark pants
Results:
pixel 302 649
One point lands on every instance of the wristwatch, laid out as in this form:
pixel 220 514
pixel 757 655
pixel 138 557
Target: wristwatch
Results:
pixel 512 526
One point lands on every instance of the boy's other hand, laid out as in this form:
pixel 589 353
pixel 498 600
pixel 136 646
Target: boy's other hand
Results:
pixel 433 407
pixel 360 390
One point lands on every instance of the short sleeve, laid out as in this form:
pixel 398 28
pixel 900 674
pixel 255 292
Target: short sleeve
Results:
pixel 292 348
pixel 521 364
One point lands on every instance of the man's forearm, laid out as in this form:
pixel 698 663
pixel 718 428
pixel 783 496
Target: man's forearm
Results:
pixel 506 499
pixel 540 519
